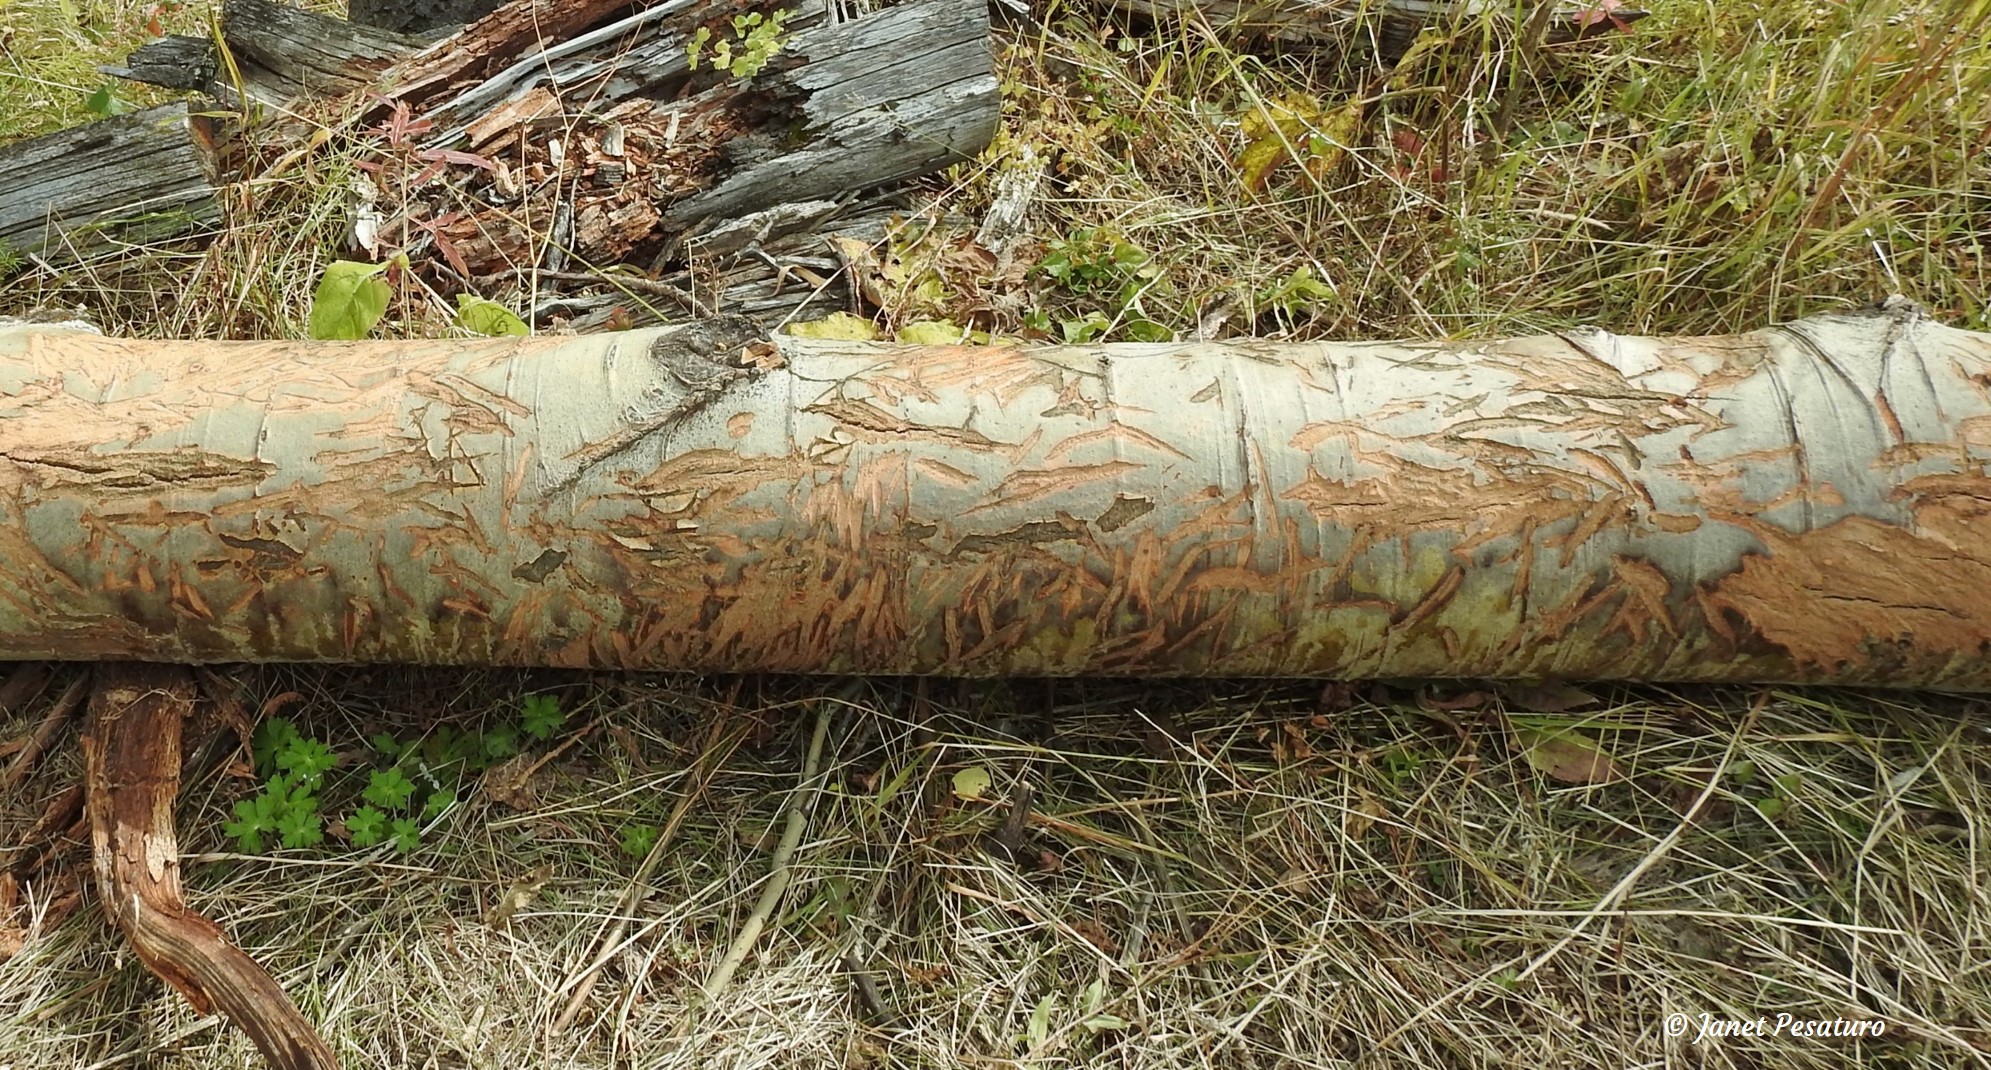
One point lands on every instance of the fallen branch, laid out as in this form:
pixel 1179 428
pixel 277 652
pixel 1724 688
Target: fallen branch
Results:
pixel 779 874
pixel 132 762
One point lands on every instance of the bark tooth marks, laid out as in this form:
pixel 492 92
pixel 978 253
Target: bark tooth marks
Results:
pixel 128 471
pixel 1412 510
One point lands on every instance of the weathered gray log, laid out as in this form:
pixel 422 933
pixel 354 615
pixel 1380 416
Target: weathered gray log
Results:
pixel 150 176
pixel 902 93
pixel 289 53
pixel 129 179
pixel 612 145
pixel 175 61
pixel 282 53
pixel 1804 503
pixel 663 149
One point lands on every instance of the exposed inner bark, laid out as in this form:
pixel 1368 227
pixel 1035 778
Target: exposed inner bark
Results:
pixel 132 771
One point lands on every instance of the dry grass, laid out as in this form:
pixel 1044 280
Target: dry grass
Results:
pixel 1219 875
pixel 1214 875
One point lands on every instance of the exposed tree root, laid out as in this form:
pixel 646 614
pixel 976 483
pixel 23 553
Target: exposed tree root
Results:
pixel 132 773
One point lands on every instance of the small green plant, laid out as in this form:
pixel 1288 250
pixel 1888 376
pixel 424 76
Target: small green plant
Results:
pixel 755 40
pixel 1094 264
pixel 366 826
pixel 288 805
pixel 409 784
pixel 104 103
pixel 638 839
pixel 405 834
pixel 1296 294
pixel 389 789
pixel 1782 790
pixel 542 716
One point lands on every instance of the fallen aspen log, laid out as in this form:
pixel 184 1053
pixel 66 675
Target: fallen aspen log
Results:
pixel 1808 502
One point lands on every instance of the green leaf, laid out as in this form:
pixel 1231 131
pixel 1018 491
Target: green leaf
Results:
pixel 488 318
pixel 1771 808
pixel 500 743
pixel 1080 331
pixel 837 326
pixel 272 736
pixel 971 783
pixel 246 836
pixel 930 333
pixel 366 826
pixel 388 789
pixel 386 744
pixel 253 818
pixel 306 759
pixel 638 839
pixel 1040 1021
pixel 438 804
pixel 406 834
pixel 351 298
pixel 543 716
pixel 104 103
pixel 301 827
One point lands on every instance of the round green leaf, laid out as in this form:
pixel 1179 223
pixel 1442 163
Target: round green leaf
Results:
pixel 351 298
pixel 972 782
pixel 488 318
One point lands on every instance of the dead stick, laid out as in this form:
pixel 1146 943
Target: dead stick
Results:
pixel 131 758
pixel 51 723
pixel 778 871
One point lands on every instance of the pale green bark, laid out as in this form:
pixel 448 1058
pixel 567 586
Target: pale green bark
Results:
pixel 1806 502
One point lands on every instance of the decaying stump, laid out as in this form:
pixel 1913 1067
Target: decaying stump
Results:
pixel 1802 503
pixel 132 774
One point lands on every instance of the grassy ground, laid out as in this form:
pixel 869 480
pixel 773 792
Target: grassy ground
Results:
pixel 1213 875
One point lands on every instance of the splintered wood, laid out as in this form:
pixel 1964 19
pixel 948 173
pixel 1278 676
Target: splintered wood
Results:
pixel 543 135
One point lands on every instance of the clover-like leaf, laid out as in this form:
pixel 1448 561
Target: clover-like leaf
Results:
pixel 366 826
pixel 388 789
pixel 638 839
pixel 542 716
pixel 301 827
pixel 306 760
pixel 406 834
